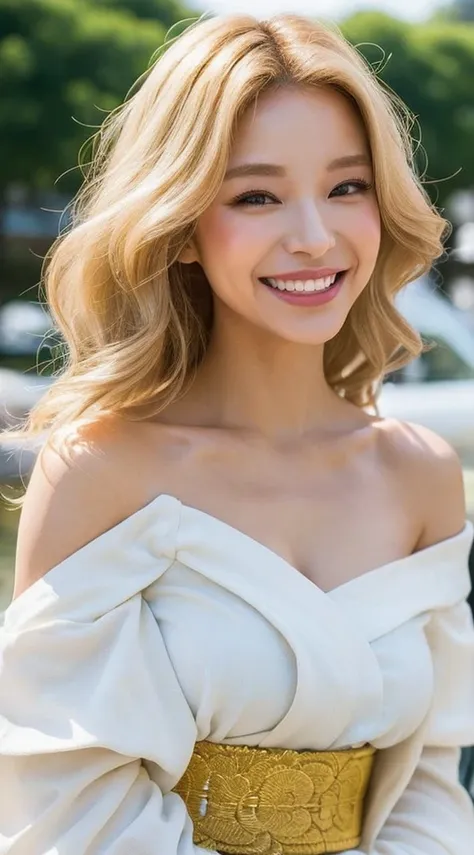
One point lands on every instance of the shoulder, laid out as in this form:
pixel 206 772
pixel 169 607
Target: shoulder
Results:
pixel 430 472
pixel 80 487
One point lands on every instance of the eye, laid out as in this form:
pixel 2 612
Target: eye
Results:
pixel 250 197
pixel 351 188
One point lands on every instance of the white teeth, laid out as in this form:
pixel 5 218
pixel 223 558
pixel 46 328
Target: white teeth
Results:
pixel 309 285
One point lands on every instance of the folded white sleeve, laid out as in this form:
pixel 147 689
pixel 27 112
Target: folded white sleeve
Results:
pixel 435 815
pixel 94 728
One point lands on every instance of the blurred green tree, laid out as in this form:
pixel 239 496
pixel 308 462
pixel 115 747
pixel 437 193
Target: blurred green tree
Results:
pixel 458 10
pixel 167 12
pixel 64 64
pixel 431 67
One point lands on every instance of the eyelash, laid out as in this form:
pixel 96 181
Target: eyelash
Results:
pixel 362 185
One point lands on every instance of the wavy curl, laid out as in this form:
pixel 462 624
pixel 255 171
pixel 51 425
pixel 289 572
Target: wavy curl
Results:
pixel 135 321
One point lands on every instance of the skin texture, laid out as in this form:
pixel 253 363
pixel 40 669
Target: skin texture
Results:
pixel 260 440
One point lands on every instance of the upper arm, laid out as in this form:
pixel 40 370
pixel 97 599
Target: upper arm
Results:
pixel 72 497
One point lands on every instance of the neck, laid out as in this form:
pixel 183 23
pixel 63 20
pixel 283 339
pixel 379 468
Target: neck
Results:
pixel 254 380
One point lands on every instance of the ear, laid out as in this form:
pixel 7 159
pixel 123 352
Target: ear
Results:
pixel 188 254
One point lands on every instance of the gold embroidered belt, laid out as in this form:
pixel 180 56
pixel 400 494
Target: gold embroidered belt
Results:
pixel 272 801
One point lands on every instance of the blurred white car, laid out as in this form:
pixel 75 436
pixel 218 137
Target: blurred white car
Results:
pixel 437 389
pixel 18 393
pixel 23 328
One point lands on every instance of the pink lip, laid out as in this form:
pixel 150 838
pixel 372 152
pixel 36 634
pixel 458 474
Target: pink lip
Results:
pixel 307 273
pixel 313 298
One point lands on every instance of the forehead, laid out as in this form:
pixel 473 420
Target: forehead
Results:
pixel 307 125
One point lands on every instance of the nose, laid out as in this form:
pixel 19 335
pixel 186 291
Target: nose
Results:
pixel 308 232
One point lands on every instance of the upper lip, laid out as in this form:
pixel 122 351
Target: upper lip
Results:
pixel 307 273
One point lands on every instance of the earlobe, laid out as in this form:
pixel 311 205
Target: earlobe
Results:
pixel 188 254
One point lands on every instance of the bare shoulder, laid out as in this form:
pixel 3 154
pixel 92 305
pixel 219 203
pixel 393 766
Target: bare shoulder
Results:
pixel 430 470
pixel 77 491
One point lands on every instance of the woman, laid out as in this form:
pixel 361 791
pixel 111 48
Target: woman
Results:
pixel 239 621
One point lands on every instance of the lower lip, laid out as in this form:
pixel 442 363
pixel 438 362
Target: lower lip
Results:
pixel 308 298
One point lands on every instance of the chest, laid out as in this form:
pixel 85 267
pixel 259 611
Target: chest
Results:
pixel 330 519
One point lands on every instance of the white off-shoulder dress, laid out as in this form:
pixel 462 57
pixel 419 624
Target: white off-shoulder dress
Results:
pixel 174 627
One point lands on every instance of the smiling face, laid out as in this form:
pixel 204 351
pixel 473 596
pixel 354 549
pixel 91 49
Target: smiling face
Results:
pixel 292 237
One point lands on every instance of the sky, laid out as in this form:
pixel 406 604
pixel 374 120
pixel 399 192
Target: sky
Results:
pixel 409 9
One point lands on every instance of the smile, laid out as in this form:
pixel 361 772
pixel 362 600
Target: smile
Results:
pixel 302 285
pixel 307 292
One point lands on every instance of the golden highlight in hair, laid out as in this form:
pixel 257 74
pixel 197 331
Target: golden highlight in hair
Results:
pixel 136 321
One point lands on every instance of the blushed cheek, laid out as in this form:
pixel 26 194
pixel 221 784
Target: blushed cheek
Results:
pixel 227 237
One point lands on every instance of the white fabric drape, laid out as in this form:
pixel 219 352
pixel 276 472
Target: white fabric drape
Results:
pixel 174 627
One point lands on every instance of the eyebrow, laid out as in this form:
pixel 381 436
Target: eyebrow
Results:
pixel 273 169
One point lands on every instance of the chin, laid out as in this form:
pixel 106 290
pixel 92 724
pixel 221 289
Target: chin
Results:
pixel 307 332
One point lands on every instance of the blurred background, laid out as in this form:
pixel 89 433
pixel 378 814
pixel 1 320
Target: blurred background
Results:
pixel 65 63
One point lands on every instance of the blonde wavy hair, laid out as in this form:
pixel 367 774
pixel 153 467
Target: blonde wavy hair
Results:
pixel 135 321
